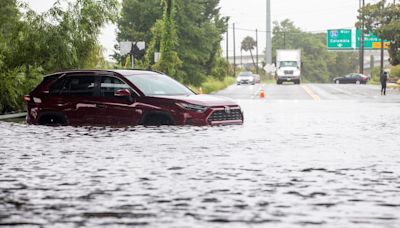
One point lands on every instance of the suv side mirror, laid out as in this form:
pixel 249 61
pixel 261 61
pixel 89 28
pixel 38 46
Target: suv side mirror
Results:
pixel 122 93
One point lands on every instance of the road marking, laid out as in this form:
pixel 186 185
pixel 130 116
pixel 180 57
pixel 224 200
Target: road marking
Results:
pixel 311 93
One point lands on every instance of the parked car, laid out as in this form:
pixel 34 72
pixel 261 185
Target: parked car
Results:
pixel 124 97
pixel 351 78
pixel 246 77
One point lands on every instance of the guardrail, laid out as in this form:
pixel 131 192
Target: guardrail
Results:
pixel 12 116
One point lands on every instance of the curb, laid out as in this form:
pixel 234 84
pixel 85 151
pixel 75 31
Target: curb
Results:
pixel 13 116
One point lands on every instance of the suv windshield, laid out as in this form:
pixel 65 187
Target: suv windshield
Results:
pixel 245 74
pixel 158 84
pixel 288 64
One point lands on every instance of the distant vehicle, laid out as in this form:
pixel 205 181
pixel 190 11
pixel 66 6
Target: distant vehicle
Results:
pixel 124 97
pixel 246 77
pixel 288 64
pixel 353 78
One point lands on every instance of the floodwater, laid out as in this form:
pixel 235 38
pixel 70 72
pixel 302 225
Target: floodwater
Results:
pixel 292 164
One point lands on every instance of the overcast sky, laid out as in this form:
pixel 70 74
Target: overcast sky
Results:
pixel 309 15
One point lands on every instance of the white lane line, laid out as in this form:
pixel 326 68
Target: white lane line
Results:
pixel 311 93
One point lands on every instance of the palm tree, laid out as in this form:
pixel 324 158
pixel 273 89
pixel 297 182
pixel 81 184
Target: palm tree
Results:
pixel 248 44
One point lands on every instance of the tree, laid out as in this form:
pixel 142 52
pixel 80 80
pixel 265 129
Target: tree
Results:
pixel 136 20
pixel 383 20
pixel 169 60
pixel 199 28
pixel 248 44
pixel 33 44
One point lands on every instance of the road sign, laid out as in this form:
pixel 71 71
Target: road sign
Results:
pixel 126 46
pixel 270 68
pixel 377 45
pixel 339 39
pixel 370 41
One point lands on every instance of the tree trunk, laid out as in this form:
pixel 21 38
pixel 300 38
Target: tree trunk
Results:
pixel 252 58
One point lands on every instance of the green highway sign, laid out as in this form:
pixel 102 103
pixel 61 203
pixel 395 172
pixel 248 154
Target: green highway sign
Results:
pixel 370 41
pixel 340 39
pixel 349 39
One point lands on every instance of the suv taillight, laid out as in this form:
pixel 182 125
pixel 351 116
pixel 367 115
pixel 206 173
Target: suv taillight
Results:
pixel 27 99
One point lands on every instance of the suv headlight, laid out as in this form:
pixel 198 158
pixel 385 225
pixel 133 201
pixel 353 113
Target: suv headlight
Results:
pixel 193 107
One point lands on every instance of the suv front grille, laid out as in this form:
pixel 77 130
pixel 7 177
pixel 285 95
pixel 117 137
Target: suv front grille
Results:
pixel 222 115
pixel 288 72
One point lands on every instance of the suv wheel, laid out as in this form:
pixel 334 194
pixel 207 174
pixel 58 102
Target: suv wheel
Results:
pixel 52 119
pixel 157 119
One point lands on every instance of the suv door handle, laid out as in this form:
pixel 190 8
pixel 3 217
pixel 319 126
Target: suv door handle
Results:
pixel 100 106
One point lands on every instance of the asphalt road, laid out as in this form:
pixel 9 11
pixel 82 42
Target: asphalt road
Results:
pixel 311 92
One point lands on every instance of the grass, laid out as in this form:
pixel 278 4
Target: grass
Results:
pixel 213 85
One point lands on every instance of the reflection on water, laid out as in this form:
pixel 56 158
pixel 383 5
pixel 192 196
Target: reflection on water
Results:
pixel 326 164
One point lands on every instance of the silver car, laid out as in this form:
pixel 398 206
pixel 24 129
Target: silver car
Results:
pixel 246 77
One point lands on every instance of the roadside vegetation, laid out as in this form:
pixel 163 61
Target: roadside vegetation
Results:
pixel 187 34
pixel 31 44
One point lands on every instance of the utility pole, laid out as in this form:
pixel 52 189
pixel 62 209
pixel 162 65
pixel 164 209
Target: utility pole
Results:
pixel 241 57
pixel 132 53
pixel 234 51
pixel 284 40
pixel 257 50
pixel 382 53
pixel 268 45
pixel 227 45
pixel 362 28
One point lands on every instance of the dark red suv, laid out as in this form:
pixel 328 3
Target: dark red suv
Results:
pixel 124 97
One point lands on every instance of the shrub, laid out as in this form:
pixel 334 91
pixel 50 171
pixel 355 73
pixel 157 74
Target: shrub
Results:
pixel 213 85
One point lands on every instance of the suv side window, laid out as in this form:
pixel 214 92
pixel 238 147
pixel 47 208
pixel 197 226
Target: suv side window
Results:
pixel 57 87
pixel 79 86
pixel 109 85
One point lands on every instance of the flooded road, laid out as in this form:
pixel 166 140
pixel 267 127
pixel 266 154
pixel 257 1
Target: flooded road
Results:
pixel 294 163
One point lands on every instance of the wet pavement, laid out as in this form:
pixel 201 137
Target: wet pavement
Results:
pixel 294 163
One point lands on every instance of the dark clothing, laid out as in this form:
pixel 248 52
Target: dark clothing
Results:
pixel 384 79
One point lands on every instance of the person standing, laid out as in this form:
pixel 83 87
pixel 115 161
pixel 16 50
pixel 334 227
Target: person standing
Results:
pixel 384 78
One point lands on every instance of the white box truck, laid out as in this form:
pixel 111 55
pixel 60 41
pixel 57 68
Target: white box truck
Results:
pixel 288 66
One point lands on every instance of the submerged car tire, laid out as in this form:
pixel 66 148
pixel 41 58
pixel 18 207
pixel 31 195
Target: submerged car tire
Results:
pixel 52 119
pixel 358 82
pixel 337 82
pixel 278 82
pixel 157 119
